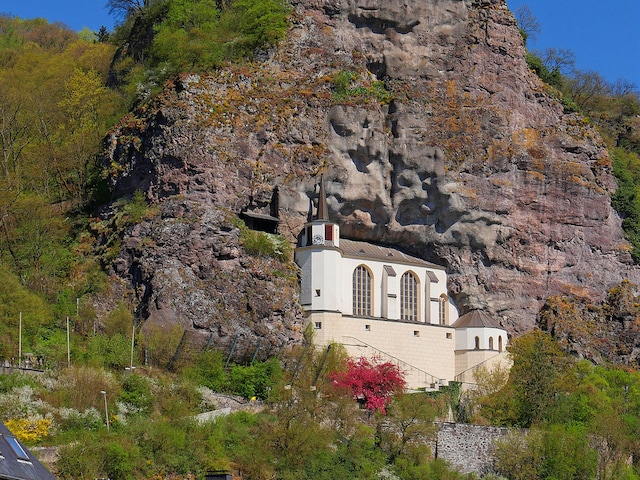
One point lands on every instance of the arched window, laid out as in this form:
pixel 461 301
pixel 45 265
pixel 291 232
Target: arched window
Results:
pixel 490 343
pixel 409 297
pixel 500 343
pixel 443 311
pixel 361 291
pixel 477 343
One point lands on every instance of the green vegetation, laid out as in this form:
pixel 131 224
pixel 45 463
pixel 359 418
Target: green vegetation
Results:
pixel 584 419
pixel 265 244
pixel 296 432
pixel 348 87
pixel 626 200
pixel 56 111
pixel 175 36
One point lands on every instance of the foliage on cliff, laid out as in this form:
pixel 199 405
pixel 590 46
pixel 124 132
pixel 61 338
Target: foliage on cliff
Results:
pixel 55 110
pixel 162 39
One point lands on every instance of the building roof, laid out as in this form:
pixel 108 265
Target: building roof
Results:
pixel 260 216
pixel 323 210
pixel 18 463
pixel 370 251
pixel 475 318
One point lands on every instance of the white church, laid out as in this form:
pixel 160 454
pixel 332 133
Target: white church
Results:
pixel 380 302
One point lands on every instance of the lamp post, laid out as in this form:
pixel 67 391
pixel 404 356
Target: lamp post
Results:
pixel 106 409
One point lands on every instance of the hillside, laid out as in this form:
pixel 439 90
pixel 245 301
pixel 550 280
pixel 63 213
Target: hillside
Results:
pixel 432 135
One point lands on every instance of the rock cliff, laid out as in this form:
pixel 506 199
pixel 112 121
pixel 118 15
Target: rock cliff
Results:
pixel 432 135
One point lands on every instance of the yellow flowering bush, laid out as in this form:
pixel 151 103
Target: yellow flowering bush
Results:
pixel 29 430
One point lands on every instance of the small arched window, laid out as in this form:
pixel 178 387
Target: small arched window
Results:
pixel 490 343
pixel 362 291
pixel 409 297
pixel 477 346
pixel 500 343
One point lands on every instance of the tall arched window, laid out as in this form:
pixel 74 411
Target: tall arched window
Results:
pixel 500 343
pixel 361 291
pixel 443 311
pixel 409 297
pixel 477 343
pixel 490 343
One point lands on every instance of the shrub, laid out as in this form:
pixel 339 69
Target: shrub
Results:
pixel 345 87
pixel 371 383
pixel 209 371
pixel 265 244
pixel 111 352
pixel 29 430
pixel 136 392
pixel 253 380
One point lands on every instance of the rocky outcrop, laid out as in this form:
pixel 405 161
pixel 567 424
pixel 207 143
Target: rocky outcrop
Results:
pixel 442 142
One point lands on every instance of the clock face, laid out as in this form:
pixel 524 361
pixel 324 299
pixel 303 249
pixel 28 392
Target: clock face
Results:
pixel 318 240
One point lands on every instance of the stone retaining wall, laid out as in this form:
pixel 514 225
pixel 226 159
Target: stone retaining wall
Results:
pixel 468 447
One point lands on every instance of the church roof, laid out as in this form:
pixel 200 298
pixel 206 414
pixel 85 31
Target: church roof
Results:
pixel 323 210
pixel 475 318
pixel 260 216
pixel 370 251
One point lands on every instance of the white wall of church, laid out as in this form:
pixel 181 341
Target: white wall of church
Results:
pixel 386 289
pixel 487 338
pixel 425 353
pixel 322 282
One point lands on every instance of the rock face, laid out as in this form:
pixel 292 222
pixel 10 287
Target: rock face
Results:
pixel 440 142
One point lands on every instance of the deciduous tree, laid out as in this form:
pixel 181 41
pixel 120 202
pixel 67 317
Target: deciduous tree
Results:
pixel 371 382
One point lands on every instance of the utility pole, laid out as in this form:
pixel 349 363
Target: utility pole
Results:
pixel 20 341
pixel 68 345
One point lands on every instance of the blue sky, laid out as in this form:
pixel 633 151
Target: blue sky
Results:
pixel 605 36
pixel 76 14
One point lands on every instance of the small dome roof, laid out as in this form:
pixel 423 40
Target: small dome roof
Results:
pixel 475 318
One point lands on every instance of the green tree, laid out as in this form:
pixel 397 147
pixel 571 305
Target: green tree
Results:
pixel 519 455
pixel 409 423
pixel 539 366
pixel 15 300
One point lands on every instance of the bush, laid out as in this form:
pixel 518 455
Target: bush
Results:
pixel 254 380
pixel 345 88
pixel 209 371
pixel 136 392
pixel 265 244
pixel 111 352
pixel 29 430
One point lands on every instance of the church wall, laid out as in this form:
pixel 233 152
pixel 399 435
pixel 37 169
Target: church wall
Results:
pixel 467 360
pixel 428 295
pixel 323 288
pixel 421 347
pixel 465 338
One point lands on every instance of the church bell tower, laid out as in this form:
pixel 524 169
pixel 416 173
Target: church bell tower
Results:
pixel 318 256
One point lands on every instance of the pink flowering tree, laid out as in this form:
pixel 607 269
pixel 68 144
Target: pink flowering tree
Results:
pixel 370 382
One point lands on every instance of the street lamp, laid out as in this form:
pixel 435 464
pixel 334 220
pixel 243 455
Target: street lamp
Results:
pixel 106 409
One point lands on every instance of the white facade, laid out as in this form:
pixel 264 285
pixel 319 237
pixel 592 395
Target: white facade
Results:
pixel 328 276
pixel 379 302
